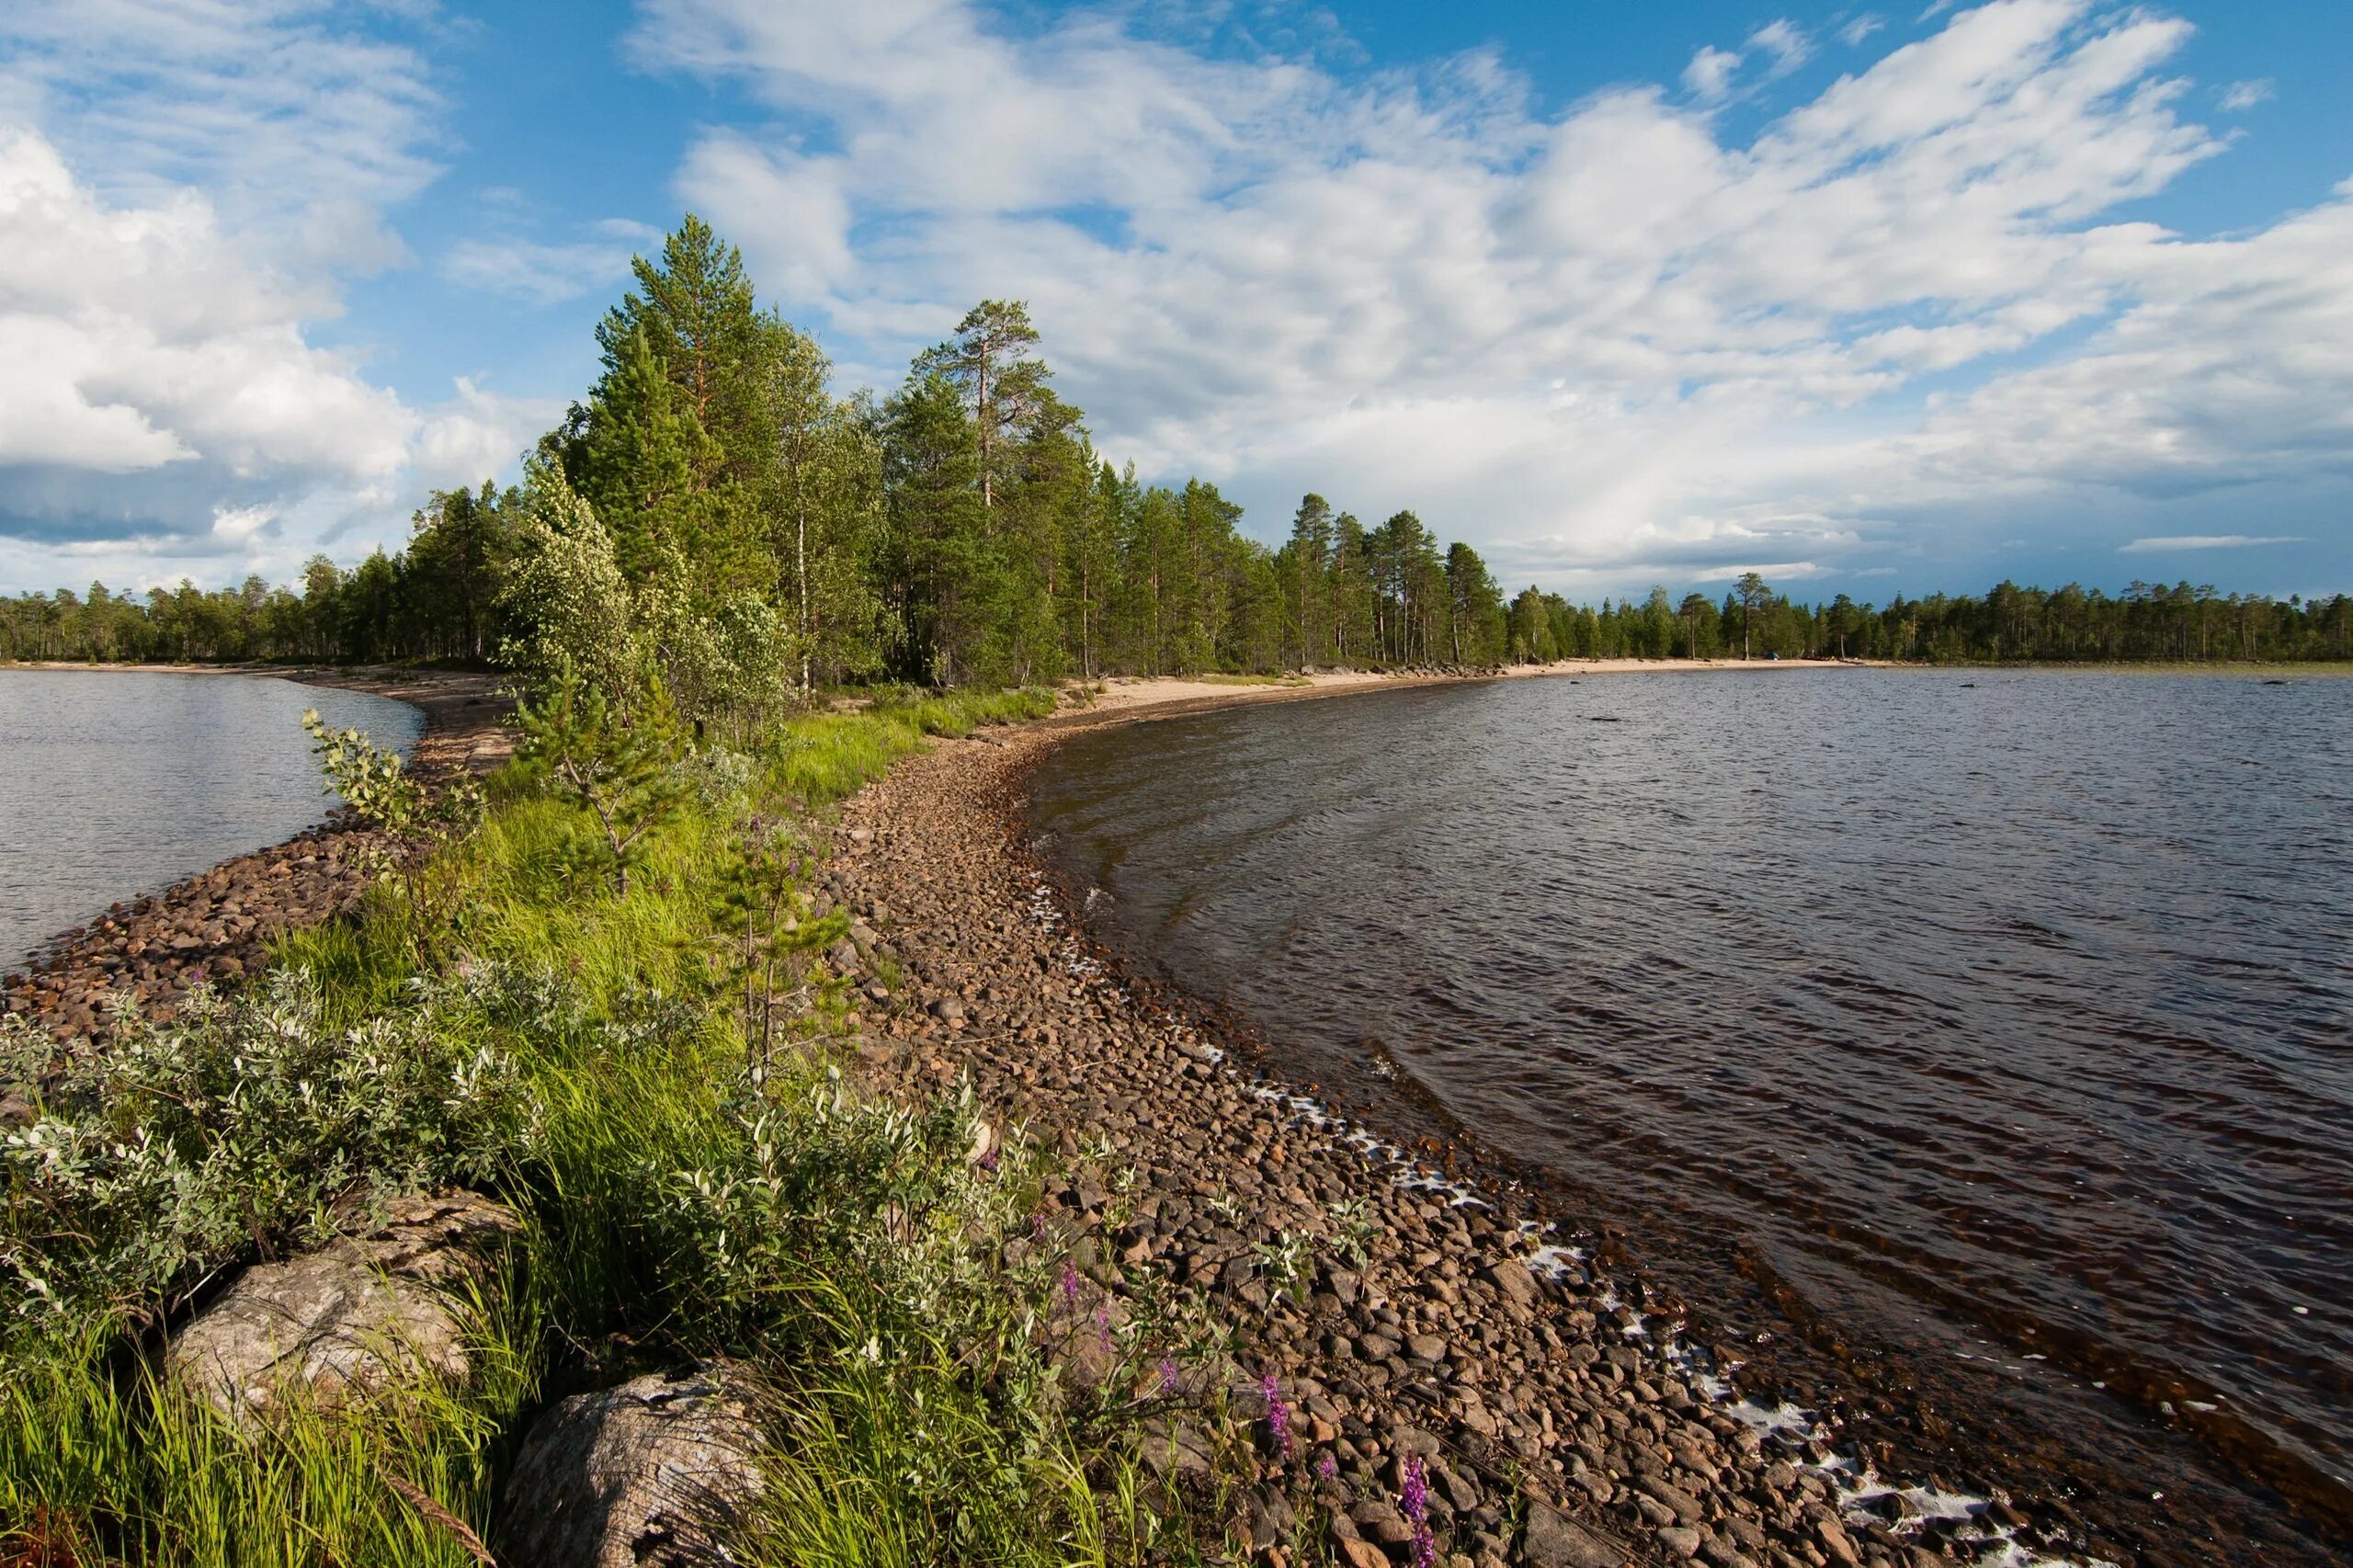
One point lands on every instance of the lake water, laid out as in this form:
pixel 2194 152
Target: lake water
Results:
pixel 2005 1016
pixel 115 783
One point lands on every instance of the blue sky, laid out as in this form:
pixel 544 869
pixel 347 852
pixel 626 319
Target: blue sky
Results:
pixel 1871 299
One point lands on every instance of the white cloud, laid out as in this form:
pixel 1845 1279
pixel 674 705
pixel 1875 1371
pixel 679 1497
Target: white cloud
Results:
pixel 142 337
pixel 2241 95
pixel 235 524
pixel 1855 31
pixel 1602 339
pixel 1710 71
pixel 2203 541
pixel 1781 38
pixel 548 274
pixel 300 127
pixel 183 190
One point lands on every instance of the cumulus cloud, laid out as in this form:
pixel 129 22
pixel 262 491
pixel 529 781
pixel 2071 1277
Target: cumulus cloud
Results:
pixel 143 337
pixel 1597 341
pixel 183 192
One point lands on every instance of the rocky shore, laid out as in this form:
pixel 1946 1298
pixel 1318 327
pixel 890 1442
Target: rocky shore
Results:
pixel 1402 1309
pixel 216 926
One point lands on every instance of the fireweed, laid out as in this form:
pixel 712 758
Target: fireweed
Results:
pixel 1416 1498
pixel 1278 1414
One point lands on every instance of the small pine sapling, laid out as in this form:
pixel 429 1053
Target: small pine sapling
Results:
pixel 615 762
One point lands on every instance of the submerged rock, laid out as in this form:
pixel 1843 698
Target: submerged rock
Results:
pixel 363 1313
pixel 654 1473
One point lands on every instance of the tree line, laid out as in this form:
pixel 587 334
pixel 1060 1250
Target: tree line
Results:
pixel 715 510
pixel 2148 622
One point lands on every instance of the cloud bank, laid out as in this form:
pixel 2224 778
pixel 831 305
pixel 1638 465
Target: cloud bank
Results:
pixel 1900 321
pixel 1869 300
pixel 183 189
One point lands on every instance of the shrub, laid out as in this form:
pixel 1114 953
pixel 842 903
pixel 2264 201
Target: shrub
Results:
pixel 247 1124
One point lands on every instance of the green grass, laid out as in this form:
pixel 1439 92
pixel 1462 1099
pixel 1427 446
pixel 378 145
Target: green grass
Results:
pixel 690 1188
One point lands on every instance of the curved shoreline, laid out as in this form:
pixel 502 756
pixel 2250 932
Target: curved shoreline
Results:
pixel 215 927
pixel 947 839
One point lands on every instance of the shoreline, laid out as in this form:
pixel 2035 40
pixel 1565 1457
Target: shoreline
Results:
pixel 216 924
pixel 1049 1021
pixel 936 864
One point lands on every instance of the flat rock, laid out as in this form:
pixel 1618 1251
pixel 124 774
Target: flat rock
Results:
pixel 654 1473
pixel 365 1313
pixel 1554 1540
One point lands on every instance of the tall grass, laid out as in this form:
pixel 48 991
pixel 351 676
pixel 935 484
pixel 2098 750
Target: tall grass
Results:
pixel 688 1193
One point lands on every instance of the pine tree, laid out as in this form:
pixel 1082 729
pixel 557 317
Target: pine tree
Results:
pixel 1002 384
pixel 1474 608
pixel 1311 547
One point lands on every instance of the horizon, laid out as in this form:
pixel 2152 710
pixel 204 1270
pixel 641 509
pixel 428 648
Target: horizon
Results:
pixel 1872 304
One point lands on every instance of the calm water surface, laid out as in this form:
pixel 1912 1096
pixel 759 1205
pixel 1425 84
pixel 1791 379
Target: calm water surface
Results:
pixel 2011 1013
pixel 115 782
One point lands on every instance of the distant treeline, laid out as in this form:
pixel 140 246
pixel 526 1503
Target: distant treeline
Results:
pixel 2147 622
pixel 749 531
pixel 427 603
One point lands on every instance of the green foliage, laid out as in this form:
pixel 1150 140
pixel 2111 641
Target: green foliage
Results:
pixel 566 596
pixel 715 510
pixel 246 1123
pixel 694 1177
pixel 100 1467
pixel 617 762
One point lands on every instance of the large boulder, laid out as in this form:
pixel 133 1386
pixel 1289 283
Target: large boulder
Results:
pixel 368 1311
pixel 656 1473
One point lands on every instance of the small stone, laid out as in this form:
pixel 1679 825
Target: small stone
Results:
pixel 1680 1541
pixel 1513 1278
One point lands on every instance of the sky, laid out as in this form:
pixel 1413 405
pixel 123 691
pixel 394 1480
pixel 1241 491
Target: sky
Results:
pixel 1871 299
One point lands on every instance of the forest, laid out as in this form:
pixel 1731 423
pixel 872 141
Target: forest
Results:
pixel 761 532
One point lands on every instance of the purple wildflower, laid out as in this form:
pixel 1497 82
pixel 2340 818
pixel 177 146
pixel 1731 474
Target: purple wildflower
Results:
pixel 1416 1499
pixel 1070 1285
pixel 1167 1375
pixel 1278 1414
pixel 1326 1467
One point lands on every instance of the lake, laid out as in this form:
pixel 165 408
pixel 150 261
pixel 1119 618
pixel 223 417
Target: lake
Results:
pixel 115 783
pixel 2005 1019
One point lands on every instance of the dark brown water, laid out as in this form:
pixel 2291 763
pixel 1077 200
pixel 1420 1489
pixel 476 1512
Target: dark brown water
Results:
pixel 119 782
pixel 2007 1017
